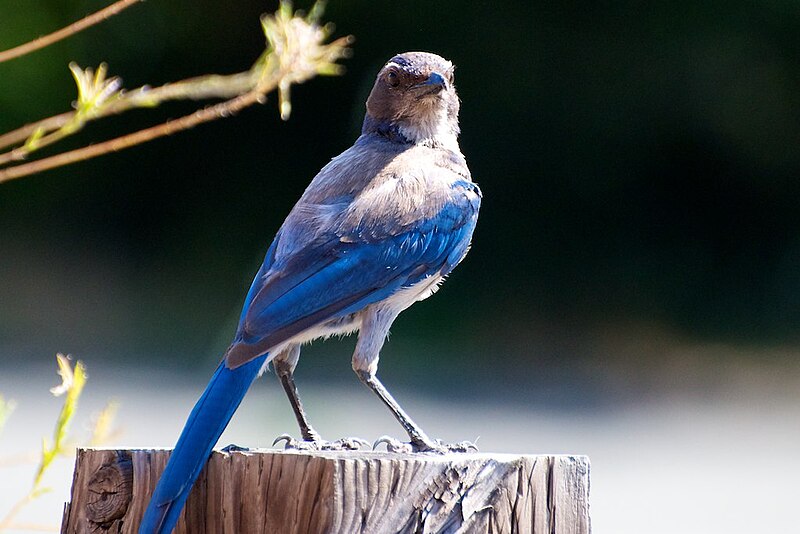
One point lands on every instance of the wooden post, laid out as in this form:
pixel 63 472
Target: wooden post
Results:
pixel 272 491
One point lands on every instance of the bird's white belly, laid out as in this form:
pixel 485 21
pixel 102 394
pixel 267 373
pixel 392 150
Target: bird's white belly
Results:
pixel 343 326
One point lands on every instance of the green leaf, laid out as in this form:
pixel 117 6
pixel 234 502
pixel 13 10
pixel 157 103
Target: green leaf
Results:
pixel 6 408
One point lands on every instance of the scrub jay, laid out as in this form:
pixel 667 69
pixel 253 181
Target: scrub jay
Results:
pixel 377 229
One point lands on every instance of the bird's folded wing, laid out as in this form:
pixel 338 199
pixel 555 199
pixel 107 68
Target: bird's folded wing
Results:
pixel 337 277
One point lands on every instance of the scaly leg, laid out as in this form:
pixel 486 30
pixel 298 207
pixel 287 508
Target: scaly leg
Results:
pixel 284 365
pixel 284 370
pixel 419 440
pixel 375 325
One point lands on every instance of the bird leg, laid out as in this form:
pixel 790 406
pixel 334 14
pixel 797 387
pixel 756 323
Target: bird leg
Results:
pixel 375 323
pixel 420 442
pixel 284 370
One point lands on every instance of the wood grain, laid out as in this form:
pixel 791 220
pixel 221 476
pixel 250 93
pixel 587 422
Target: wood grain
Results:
pixel 271 491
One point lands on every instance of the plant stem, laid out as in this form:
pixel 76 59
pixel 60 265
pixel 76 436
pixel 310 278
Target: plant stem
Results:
pixel 197 88
pixel 22 133
pixel 63 33
pixel 208 114
pixel 6 522
pixel 296 51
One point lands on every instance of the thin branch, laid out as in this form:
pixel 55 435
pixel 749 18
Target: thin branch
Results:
pixel 63 33
pixel 208 114
pixel 22 133
pixel 21 458
pixel 7 521
pixel 197 88
pixel 296 51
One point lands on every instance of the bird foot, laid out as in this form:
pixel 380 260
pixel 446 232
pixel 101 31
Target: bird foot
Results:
pixel 436 446
pixel 317 444
pixel 234 448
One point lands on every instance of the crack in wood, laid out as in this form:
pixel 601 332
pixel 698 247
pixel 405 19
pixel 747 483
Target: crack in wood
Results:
pixel 359 492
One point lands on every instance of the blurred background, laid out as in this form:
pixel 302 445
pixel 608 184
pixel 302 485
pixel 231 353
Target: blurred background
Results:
pixel 633 290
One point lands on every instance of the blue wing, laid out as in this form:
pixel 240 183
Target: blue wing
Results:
pixel 333 277
pixel 340 275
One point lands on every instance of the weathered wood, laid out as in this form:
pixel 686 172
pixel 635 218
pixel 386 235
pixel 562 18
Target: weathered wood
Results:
pixel 271 491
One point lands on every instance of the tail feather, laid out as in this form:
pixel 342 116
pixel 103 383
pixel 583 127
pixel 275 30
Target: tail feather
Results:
pixel 206 423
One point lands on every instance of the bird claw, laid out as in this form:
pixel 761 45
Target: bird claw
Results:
pixel 343 444
pixel 461 446
pixel 396 446
pixel 347 444
pixel 393 445
pixel 287 438
pixel 234 448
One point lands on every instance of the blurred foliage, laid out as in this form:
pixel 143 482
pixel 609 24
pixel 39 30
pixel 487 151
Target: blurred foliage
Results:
pixel 6 409
pixel 72 382
pixel 639 166
pixel 73 379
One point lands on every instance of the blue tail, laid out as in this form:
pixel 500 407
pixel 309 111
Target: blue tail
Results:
pixel 208 419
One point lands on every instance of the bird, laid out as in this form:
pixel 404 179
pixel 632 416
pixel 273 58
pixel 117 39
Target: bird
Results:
pixel 377 229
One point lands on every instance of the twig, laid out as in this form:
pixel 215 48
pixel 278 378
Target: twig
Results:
pixel 21 134
pixel 296 52
pixel 63 33
pixel 72 383
pixel 7 521
pixel 208 114
pixel 21 458
pixel 197 88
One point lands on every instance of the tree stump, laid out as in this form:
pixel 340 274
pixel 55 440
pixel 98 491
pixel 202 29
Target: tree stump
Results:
pixel 272 491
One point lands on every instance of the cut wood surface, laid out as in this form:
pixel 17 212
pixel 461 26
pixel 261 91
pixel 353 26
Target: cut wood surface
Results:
pixel 275 491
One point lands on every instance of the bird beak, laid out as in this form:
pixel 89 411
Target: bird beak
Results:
pixel 435 83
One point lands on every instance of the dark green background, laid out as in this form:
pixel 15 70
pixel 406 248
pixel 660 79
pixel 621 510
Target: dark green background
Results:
pixel 639 164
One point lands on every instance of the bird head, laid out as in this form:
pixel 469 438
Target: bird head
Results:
pixel 414 97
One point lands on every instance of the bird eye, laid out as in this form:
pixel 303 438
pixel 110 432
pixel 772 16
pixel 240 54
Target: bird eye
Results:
pixel 392 78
